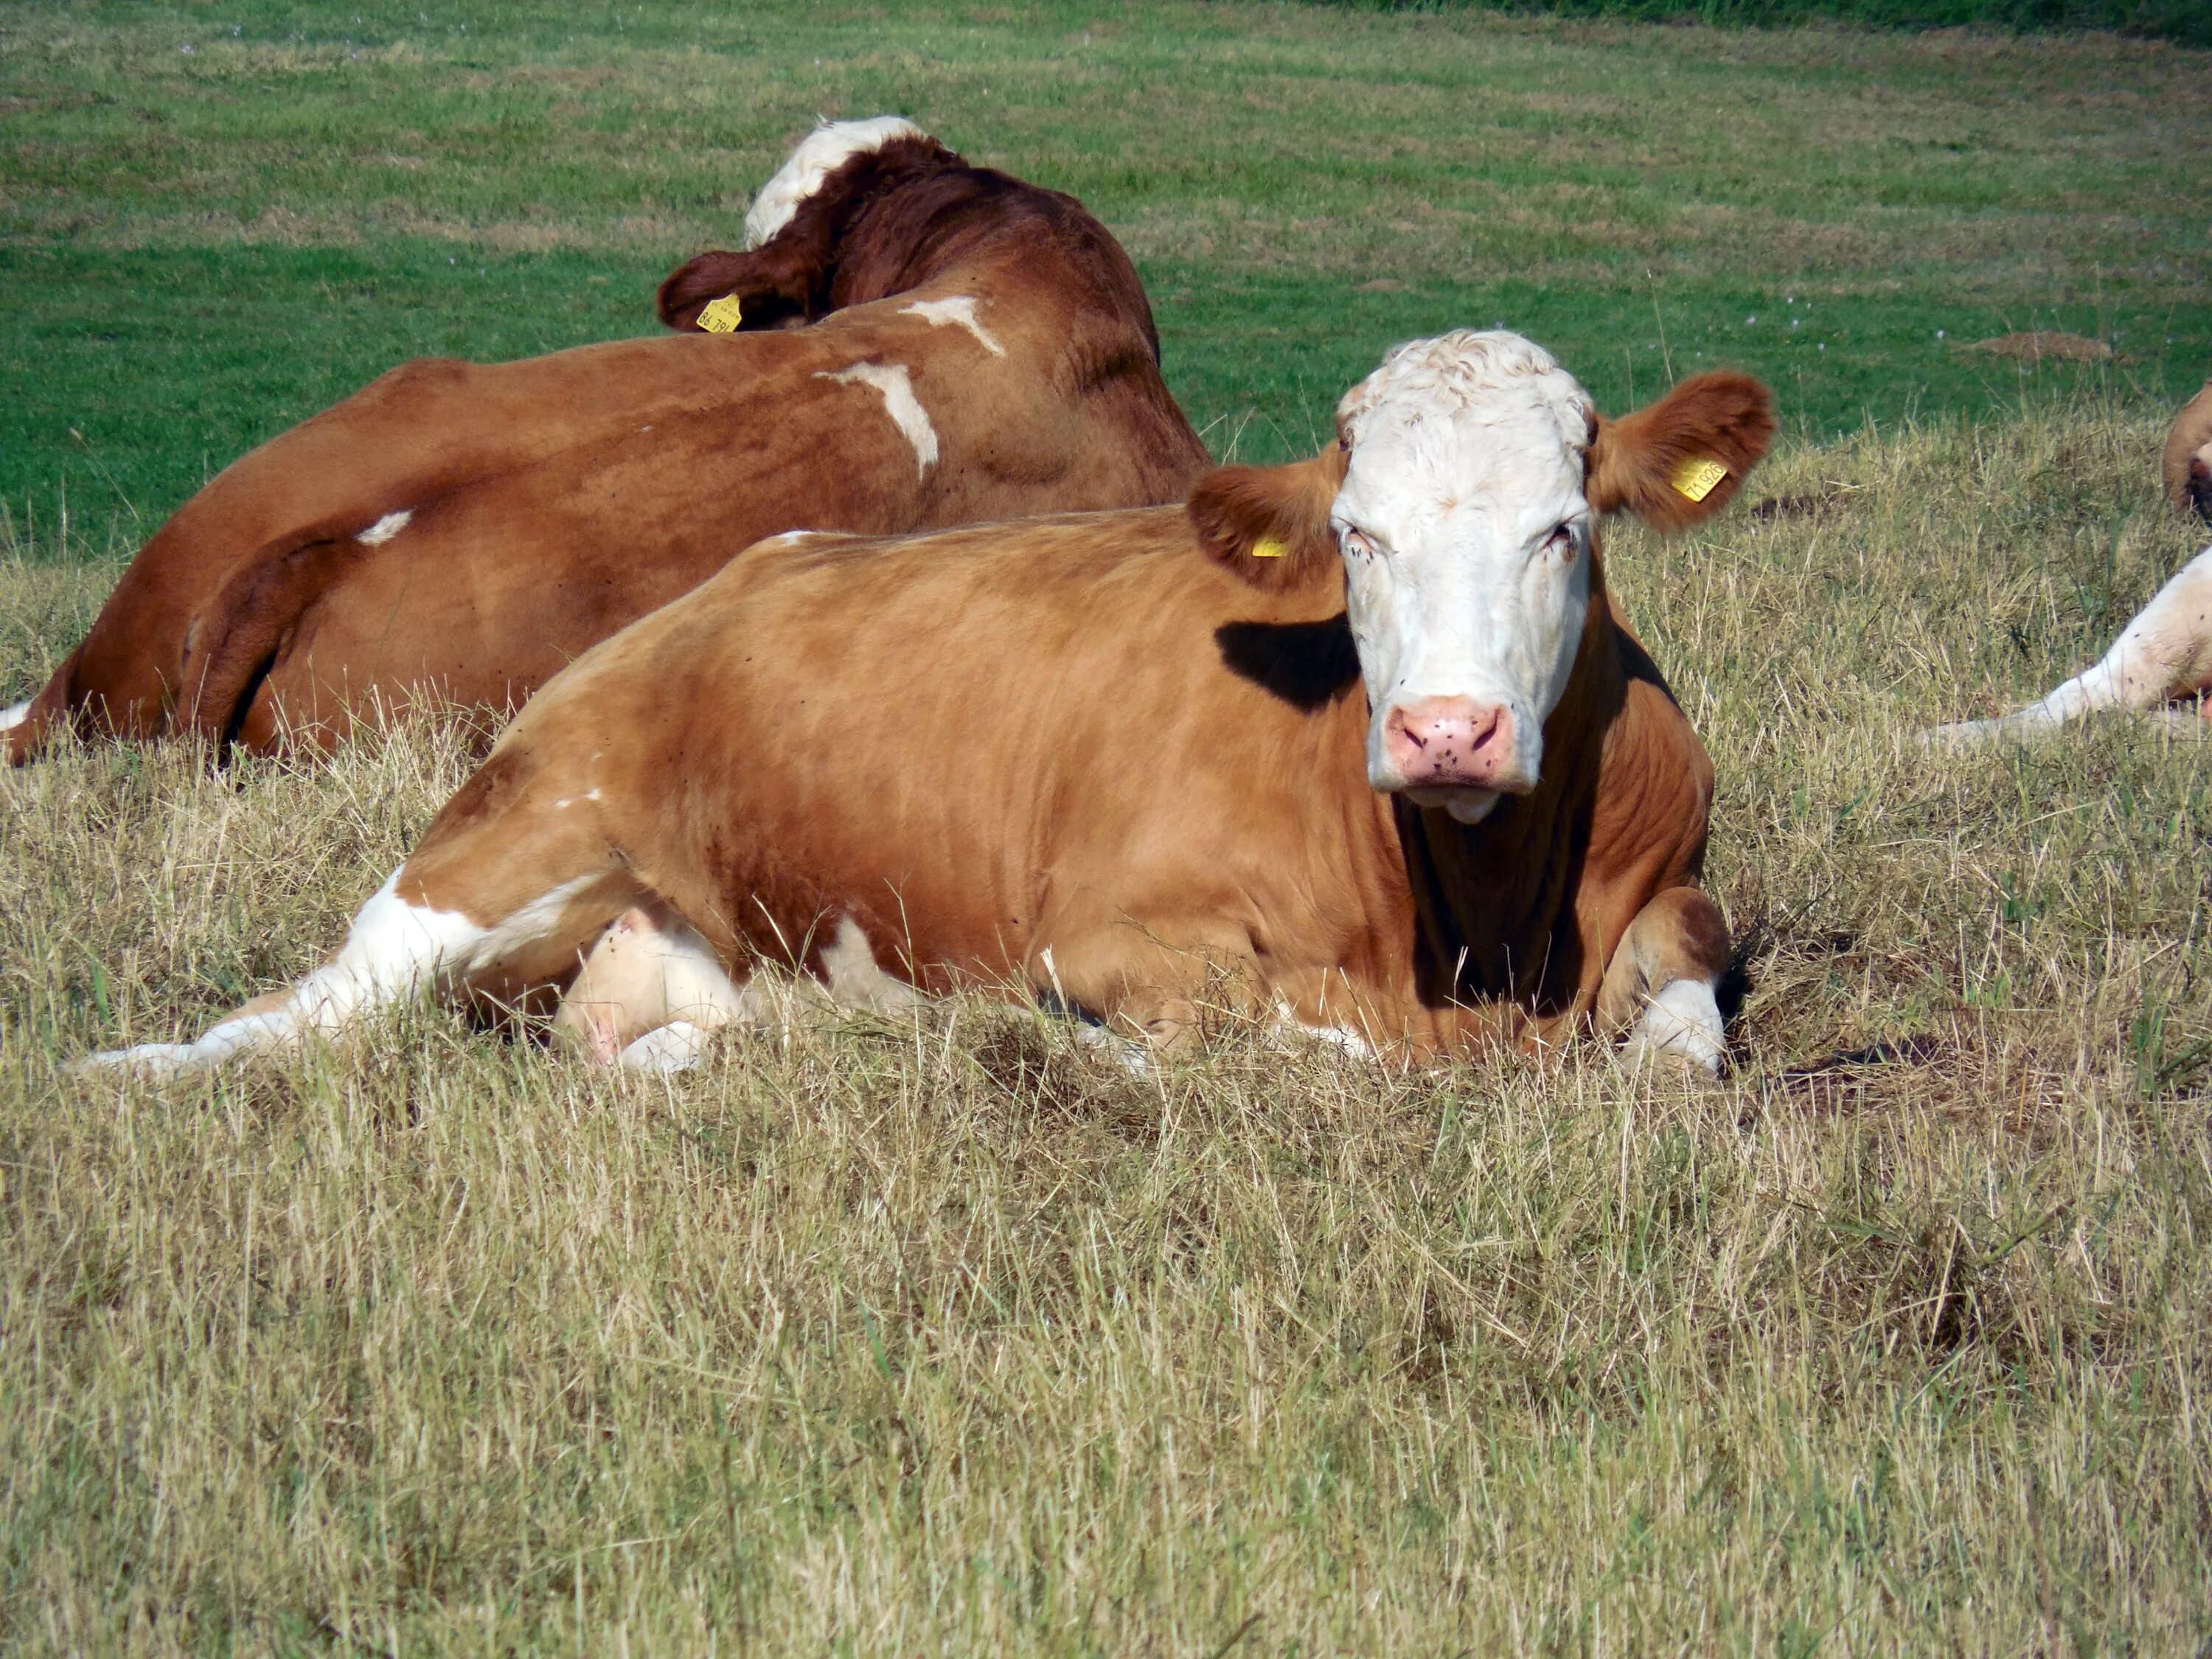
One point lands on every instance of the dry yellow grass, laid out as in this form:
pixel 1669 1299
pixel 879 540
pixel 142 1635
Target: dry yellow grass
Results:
pixel 934 1337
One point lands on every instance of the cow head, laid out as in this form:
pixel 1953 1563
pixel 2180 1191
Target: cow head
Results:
pixel 2189 457
pixel 792 229
pixel 1461 501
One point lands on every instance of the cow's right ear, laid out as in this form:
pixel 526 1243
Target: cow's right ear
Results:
pixel 773 284
pixel 1270 524
pixel 1677 462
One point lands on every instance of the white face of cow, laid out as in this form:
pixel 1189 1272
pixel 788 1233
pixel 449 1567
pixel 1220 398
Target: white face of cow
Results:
pixel 1466 547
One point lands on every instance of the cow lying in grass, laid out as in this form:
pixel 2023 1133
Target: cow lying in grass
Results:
pixel 2165 655
pixel 1359 743
pixel 980 348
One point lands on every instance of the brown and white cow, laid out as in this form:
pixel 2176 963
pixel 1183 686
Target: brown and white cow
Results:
pixel 980 348
pixel 2165 655
pixel 1359 743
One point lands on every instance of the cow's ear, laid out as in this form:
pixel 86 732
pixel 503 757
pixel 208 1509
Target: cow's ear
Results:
pixel 1270 524
pixel 768 287
pixel 1682 459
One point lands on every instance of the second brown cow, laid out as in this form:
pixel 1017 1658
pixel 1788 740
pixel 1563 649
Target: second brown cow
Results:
pixel 919 343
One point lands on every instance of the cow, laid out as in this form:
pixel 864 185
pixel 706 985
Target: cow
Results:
pixel 2186 466
pixel 2162 658
pixel 911 342
pixel 1358 745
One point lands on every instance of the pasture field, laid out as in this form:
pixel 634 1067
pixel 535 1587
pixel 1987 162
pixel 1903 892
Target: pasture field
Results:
pixel 932 1335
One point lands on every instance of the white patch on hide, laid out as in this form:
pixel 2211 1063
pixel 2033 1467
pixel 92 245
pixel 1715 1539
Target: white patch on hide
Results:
pixel 1468 456
pixel 817 155
pixel 385 527
pixel 14 714
pixel 957 312
pixel 905 410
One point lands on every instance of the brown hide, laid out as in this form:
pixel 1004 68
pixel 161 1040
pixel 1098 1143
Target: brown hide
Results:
pixel 1087 755
pixel 2187 468
pixel 553 500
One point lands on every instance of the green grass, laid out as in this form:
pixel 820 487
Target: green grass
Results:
pixel 932 1336
pixel 198 247
pixel 2187 21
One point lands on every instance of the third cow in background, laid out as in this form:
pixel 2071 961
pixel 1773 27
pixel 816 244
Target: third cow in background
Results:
pixel 2163 656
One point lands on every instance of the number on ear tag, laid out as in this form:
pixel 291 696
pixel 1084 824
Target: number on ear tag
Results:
pixel 1696 476
pixel 721 316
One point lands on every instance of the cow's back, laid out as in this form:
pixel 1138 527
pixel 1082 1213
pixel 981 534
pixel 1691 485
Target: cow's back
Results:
pixel 471 529
pixel 965 739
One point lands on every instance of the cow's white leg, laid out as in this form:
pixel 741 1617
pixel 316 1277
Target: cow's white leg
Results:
pixel 393 950
pixel 1659 987
pixel 676 1047
pixel 856 979
pixel 653 991
pixel 2166 653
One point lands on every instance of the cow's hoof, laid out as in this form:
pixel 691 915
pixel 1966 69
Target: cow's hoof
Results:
pixel 1960 735
pixel 1681 1028
pixel 144 1060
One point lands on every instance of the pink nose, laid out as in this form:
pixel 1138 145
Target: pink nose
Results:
pixel 1447 741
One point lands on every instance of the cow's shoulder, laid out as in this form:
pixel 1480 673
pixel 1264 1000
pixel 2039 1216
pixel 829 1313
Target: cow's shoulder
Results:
pixel 1655 786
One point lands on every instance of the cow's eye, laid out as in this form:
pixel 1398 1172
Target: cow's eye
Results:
pixel 1562 543
pixel 1359 542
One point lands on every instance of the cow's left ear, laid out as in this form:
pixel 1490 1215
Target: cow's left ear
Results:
pixel 1270 524
pixel 1682 459
pixel 771 285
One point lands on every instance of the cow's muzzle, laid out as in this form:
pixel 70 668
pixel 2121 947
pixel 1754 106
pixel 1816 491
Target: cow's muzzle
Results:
pixel 1455 743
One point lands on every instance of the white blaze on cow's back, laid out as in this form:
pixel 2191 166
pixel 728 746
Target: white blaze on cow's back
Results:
pixel 957 312
pixel 385 527
pixel 817 155
pixel 897 386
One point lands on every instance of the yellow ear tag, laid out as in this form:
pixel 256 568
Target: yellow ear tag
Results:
pixel 721 316
pixel 1268 548
pixel 1696 476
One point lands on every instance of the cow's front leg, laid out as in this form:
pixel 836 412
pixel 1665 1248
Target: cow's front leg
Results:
pixel 1660 984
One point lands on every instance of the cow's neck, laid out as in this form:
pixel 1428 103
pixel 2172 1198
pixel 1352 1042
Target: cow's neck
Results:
pixel 1493 902
pixel 904 224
